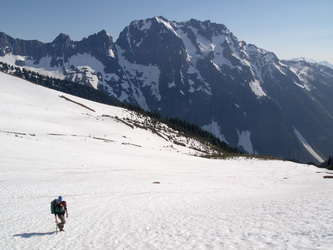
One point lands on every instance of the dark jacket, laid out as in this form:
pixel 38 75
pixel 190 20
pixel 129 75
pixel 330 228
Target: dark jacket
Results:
pixel 63 203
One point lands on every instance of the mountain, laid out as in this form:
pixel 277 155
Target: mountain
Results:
pixel 199 72
pixel 63 58
pixel 124 123
pixel 324 63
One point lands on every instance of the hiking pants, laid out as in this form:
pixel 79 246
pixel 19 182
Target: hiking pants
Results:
pixel 63 221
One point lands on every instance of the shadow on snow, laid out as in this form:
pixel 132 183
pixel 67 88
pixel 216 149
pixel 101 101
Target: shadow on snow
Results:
pixel 28 235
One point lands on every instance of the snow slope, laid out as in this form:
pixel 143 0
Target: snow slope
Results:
pixel 128 188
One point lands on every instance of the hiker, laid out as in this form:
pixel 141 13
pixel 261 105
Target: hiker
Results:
pixel 60 210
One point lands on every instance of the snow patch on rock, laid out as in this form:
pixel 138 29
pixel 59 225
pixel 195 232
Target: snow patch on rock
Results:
pixel 244 140
pixel 307 146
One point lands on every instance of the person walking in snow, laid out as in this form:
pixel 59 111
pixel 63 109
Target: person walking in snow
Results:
pixel 60 210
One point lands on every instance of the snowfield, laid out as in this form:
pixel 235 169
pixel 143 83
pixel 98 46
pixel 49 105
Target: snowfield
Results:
pixel 128 188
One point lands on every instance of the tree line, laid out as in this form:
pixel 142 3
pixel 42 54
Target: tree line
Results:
pixel 328 164
pixel 65 86
pixel 87 92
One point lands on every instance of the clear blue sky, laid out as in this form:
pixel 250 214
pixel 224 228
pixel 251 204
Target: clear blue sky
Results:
pixel 289 28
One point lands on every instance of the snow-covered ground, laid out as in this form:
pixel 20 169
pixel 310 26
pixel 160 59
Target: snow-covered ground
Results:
pixel 128 188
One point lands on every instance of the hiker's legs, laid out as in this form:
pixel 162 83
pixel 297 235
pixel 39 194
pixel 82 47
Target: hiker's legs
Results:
pixel 63 221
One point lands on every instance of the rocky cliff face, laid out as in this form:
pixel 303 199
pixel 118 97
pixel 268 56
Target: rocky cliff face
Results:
pixel 200 72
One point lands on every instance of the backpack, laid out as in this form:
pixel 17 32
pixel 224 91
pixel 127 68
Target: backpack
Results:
pixel 55 207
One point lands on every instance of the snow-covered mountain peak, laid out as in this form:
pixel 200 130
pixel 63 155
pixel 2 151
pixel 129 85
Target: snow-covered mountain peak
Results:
pixel 303 59
pixel 327 64
pixel 309 60
pixel 208 29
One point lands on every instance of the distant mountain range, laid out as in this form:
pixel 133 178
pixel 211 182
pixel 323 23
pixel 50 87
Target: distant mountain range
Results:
pixel 199 72
pixel 325 63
